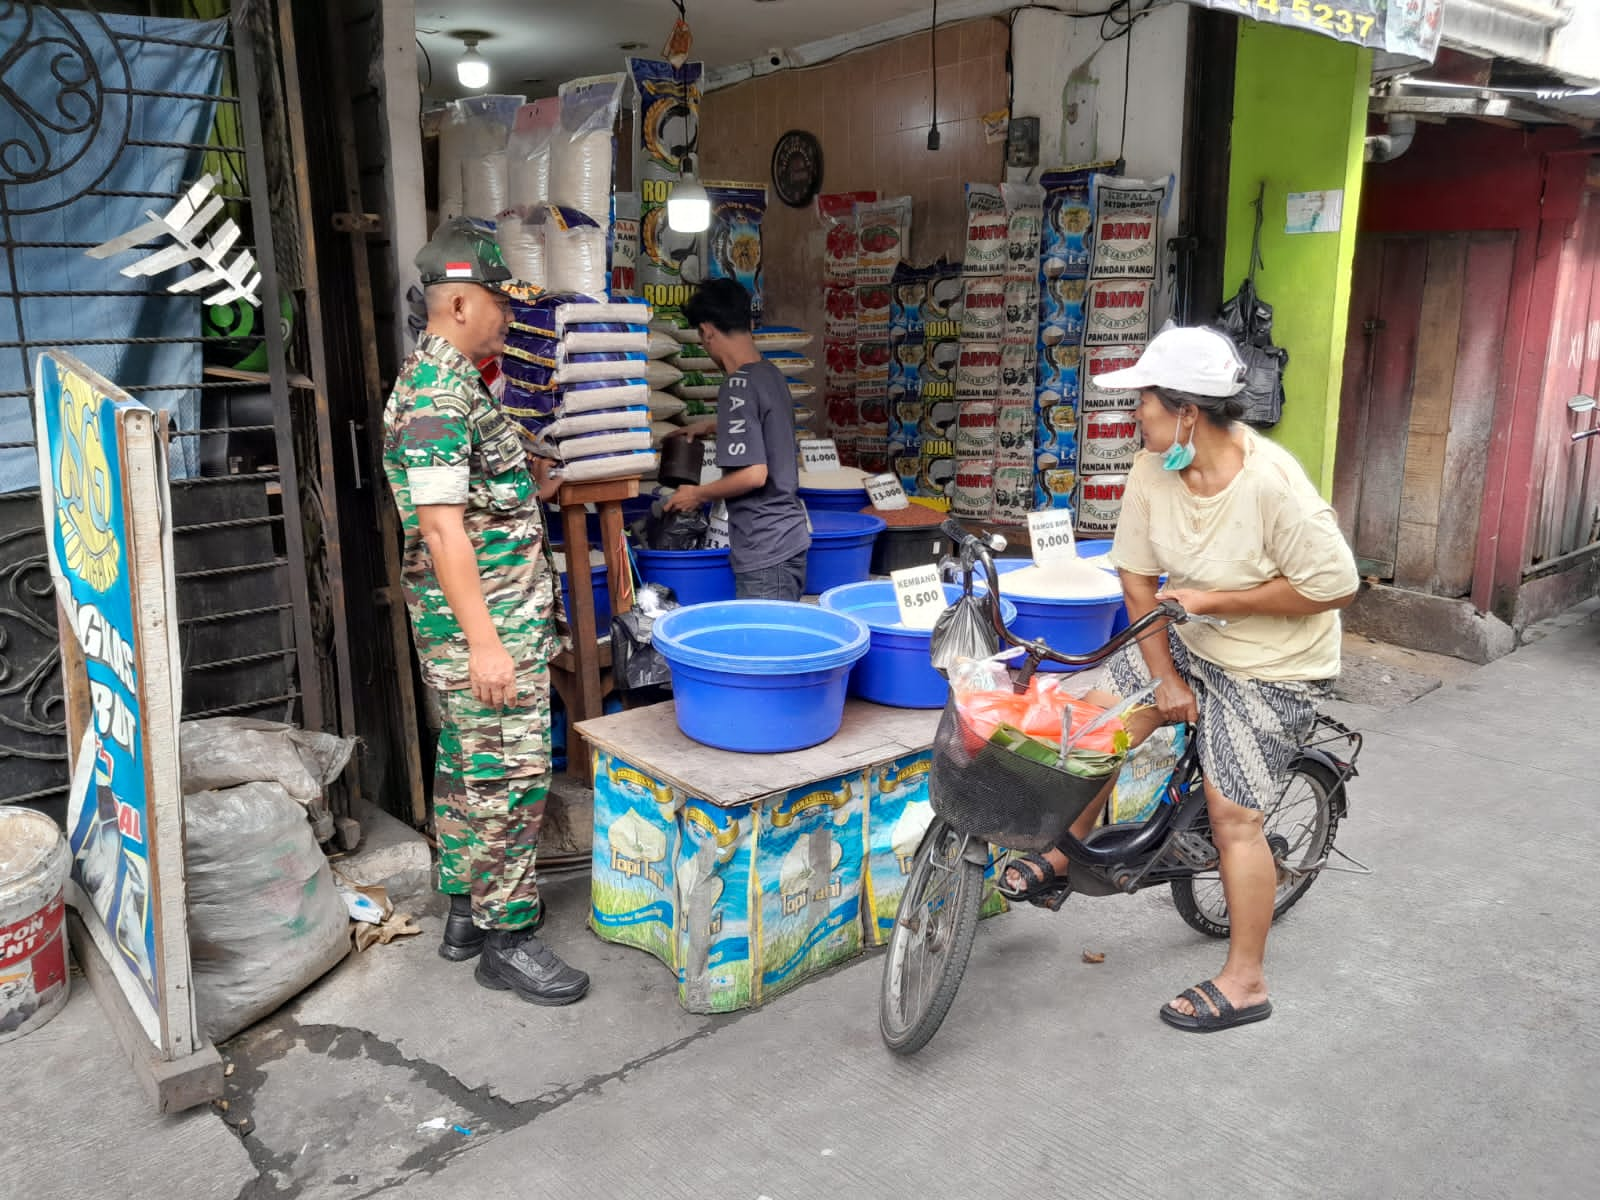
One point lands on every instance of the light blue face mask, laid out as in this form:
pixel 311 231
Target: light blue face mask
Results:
pixel 1180 454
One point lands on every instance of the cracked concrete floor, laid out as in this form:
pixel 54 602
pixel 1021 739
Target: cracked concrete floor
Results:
pixel 399 1063
pixel 1434 1035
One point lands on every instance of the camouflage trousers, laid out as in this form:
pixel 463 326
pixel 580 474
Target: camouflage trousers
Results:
pixel 490 786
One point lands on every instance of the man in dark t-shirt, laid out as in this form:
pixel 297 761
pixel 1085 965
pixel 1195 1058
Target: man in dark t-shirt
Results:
pixel 768 531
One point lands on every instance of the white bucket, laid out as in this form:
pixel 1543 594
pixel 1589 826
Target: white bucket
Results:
pixel 33 942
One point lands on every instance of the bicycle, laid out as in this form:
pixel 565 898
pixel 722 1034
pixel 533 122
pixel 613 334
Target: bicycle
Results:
pixel 984 796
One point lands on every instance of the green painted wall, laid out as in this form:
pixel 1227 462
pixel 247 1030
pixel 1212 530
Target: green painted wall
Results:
pixel 1299 120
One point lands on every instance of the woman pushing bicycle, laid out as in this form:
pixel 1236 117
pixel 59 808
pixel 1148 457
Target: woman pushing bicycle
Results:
pixel 1242 536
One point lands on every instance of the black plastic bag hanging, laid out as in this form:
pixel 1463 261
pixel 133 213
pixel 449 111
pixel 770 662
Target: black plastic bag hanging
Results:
pixel 964 630
pixel 1247 319
pixel 635 662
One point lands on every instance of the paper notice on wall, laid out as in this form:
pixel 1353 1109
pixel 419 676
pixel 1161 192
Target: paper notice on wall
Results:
pixel 1315 212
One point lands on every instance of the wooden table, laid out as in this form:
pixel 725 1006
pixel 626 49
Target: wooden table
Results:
pixel 582 676
pixel 868 734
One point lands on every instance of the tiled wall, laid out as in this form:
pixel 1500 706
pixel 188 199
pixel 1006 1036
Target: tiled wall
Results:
pixel 871 111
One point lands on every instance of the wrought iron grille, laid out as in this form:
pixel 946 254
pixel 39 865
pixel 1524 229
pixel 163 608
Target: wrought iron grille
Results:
pixel 248 546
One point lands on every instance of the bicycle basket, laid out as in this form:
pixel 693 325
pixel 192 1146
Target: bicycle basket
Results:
pixel 989 793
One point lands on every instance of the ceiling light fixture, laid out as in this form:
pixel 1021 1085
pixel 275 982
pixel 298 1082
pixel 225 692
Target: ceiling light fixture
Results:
pixel 472 69
pixel 688 205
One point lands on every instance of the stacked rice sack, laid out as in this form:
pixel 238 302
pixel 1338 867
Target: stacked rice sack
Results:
pixel 575 379
pixel 693 377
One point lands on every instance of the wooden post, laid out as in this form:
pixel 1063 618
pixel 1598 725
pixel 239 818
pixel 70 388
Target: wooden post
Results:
pixel 581 677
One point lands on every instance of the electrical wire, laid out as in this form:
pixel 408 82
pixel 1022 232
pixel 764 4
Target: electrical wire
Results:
pixel 427 58
pixel 933 75
pixel 1117 20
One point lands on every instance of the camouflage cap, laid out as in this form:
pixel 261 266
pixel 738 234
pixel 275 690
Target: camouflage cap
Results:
pixel 463 252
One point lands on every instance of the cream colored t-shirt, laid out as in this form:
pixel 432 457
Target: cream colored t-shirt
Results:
pixel 1268 522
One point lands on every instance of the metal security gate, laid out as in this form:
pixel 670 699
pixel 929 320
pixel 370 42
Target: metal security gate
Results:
pixel 262 623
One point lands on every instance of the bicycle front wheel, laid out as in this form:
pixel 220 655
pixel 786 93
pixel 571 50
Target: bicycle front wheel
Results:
pixel 931 941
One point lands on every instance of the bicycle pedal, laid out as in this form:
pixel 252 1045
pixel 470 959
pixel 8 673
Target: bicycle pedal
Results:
pixel 1052 900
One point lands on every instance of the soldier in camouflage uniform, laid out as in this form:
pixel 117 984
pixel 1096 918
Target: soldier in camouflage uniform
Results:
pixel 481 592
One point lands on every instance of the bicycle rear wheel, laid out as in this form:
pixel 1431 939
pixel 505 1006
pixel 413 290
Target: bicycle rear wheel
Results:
pixel 931 941
pixel 1300 829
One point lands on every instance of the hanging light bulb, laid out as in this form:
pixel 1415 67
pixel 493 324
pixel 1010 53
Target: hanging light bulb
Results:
pixel 688 207
pixel 472 69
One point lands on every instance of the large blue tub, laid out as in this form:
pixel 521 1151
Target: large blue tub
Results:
pixel 1071 626
pixel 897 670
pixel 841 549
pixel 849 500
pixel 759 676
pixel 695 576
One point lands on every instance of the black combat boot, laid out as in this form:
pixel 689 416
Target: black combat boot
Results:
pixel 463 939
pixel 516 960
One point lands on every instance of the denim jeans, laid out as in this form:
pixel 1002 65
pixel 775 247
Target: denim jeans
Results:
pixel 781 581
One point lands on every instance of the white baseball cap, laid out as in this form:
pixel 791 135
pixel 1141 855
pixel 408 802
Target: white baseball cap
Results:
pixel 1186 359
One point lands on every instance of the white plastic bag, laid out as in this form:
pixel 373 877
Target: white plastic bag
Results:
pixel 522 246
pixel 472 156
pixel 486 185
pixel 582 153
pixel 575 252
pixel 528 153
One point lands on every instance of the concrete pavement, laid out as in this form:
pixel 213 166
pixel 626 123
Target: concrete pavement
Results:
pixel 1435 1034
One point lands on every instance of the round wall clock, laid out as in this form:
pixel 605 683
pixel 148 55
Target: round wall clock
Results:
pixel 797 168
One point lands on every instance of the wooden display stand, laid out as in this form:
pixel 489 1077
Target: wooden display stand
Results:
pixel 747 874
pixel 581 676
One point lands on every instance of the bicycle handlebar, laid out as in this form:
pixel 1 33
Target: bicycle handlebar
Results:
pixel 975 550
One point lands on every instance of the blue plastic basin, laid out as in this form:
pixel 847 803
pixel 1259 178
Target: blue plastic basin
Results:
pixel 841 549
pixel 1034 615
pixel 852 500
pixel 695 576
pixel 759 676
pixel 600 581
pixel 1074 626
pixel 897 670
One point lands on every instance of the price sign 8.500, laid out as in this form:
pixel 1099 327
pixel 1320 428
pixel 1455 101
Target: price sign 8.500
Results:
pixel 920 594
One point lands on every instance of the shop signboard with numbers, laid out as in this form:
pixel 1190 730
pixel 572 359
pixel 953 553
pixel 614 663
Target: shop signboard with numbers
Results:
pixel 1410 28
pixel 106 507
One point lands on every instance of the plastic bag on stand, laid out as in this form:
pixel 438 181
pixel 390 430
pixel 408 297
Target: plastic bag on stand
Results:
pixel 635 662
pixel 964 630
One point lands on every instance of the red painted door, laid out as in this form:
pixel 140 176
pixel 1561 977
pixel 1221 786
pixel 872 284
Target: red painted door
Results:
pixel 1566 476
pixel 1427 318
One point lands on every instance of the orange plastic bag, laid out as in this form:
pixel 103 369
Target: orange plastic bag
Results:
pixel 1037 712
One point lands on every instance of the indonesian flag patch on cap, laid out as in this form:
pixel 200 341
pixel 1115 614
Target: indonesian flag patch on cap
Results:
pixel 458 270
